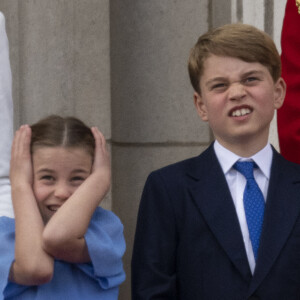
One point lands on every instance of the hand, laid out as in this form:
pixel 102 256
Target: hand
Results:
pixel 101 163
pixel 20 163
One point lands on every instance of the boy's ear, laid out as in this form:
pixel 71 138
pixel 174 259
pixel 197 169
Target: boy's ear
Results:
pixel 200 107
pixel 279 93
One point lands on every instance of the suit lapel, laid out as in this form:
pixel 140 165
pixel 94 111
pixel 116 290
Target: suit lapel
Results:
pixel 212 196
pixel 282 210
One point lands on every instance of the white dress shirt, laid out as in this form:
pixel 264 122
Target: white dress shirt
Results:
pixel 6 122
pixel 237 182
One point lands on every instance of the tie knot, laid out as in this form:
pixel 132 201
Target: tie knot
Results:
pixel 245 168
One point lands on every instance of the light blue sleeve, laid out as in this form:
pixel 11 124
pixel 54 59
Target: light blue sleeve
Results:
pixel 7 250
pixel 106 246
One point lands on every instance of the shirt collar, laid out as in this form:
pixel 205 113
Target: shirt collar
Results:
pixel 262 158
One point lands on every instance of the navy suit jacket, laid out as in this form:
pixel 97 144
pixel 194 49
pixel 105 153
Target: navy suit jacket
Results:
pixel 189 245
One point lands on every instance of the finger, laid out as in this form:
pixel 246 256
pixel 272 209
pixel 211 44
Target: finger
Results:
pixel 22 140
pixel 99 138
pixel 21 143
pixel 16 142
pixel 27 139
pixel 103 140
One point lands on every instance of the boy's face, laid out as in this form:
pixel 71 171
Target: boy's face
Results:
pixel 238 100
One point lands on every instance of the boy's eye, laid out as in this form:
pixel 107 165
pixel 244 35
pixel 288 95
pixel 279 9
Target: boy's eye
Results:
pixel 218 86
pixel 250 79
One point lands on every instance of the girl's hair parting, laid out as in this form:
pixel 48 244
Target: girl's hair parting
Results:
pixel 55 131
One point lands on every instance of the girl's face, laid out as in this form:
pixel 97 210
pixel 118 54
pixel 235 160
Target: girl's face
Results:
pixel 57 173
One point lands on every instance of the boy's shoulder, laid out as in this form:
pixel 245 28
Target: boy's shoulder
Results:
pixel 289 168
pixel 200 165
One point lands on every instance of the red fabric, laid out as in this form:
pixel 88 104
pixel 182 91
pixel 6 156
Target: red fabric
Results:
pixel 288 117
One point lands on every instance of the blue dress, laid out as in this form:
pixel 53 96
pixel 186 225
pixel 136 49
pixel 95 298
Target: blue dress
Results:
pixel 99 279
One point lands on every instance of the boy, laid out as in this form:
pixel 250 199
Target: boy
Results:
pixel 206 229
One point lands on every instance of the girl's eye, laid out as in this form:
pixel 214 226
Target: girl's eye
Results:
pixel 77 179
pixel 47 178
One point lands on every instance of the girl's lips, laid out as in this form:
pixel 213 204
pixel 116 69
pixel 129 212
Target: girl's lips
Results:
pixel 53 208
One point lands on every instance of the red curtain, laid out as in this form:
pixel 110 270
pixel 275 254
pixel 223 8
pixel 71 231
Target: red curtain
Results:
pixel 288 117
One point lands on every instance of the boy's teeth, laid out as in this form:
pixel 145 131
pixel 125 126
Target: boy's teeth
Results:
pixel 241 112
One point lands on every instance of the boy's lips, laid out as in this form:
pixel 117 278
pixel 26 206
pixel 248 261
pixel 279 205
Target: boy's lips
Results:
pixel 240 111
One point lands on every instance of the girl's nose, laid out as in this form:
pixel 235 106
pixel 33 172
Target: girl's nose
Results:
pixel 62 191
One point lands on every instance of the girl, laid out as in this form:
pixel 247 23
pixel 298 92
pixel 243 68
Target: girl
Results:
pixel 61 244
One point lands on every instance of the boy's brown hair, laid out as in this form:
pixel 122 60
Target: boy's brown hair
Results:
pixel 56 131
pixel 241 41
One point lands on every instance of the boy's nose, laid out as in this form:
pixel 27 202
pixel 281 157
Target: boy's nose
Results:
pixel 236 91
pixel 62 191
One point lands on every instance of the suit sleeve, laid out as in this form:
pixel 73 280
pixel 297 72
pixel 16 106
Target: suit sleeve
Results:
pixel 289 115
pixel 6 122
pixel 154 254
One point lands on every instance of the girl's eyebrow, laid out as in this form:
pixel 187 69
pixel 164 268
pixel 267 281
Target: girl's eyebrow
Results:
pixel 45 170
pixel 80 171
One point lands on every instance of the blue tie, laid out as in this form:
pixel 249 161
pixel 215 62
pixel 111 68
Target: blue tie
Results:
pixel 254 203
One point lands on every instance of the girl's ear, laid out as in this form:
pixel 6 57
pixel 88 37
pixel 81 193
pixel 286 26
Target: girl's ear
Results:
pixel 200 107
pixel 279 93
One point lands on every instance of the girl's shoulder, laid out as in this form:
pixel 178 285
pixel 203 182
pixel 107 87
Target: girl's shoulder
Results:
pixel 7 238
pixel 7 249
pixel 7 226
pixel 104 217
pixel 106 245
pixel 105 231
pixel 8 221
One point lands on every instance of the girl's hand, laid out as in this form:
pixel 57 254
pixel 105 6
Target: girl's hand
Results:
pixel 20 163
pixel 32 265
pixel 101 165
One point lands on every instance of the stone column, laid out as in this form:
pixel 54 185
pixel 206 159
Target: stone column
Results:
pixel 60 59
pixel 154 122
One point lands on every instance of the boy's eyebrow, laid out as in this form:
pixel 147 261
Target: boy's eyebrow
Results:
pixel 215 79
pixel 252 72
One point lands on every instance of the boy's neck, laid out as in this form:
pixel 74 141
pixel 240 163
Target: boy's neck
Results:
pixel 244 149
